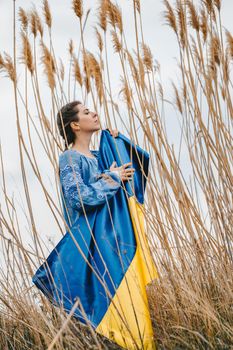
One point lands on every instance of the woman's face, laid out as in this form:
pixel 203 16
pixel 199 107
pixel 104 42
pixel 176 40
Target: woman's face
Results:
pixel 88 121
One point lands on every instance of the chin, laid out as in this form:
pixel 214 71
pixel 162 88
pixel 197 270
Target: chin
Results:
pixel 98 127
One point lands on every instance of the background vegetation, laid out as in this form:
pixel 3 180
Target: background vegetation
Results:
pixel 188 221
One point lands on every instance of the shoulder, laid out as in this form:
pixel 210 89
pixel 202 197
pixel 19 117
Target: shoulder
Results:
pixel 69 157
pixel 95 153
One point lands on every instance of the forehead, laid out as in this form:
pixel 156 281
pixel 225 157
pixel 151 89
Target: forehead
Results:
pixel 81 107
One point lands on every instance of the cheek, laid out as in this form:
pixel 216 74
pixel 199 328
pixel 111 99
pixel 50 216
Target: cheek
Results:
pixel 86 122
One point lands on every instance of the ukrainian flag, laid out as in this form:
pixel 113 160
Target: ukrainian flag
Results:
pixel 104 261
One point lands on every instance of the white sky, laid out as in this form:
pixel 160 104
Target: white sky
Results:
pixel 65 26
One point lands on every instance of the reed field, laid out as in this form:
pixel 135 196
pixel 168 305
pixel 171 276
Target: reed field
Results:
pixel 189 204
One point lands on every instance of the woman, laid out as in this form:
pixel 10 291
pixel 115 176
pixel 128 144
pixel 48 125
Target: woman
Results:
pixel 100 268
pixel 76 125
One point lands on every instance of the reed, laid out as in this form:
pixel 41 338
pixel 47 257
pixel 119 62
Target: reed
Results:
pixel 188 218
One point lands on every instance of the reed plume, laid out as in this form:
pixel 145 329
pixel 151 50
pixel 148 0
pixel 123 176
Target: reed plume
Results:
pixel 209 5
pixel 99 40
pixel 71 47
pixel 204 24
pixel 78 8
pixel 133 67
pixel 102 14
pixel 47 13
pixel 39 24
pixel 6 65
pixel 2 63
pixel 35 22
pixel 141 72
pixel 126 92
pixel 49 65
pixel 116 42
pixel 26 55
pixel 193 15
pixel 77 70
pixel 23 17
pixel 138 6
pixel 147 57
pixel 62 70
pixel 218 4
pixel 177 99
pixel 215 51
pixel 114 15
pixel 229 38
pixel 181 16
pixel 169 16
pixel 94 71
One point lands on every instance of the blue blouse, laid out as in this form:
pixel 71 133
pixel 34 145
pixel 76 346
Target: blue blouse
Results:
pixel 83 184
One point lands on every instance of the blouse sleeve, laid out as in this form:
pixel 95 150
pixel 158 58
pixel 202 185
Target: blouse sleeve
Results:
pixel 92 194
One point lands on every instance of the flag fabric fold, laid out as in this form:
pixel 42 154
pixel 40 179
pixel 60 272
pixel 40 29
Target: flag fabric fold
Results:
pixel 104 260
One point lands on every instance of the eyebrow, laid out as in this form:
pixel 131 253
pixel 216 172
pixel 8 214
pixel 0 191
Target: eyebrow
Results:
pixel 86 109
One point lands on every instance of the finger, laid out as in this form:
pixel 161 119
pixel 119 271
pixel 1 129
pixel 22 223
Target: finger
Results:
pixel 129 169
pixel 126 164
pixel 130 174
pixel 127 178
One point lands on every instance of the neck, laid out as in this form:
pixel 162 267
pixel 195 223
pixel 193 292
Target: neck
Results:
pixel 82 142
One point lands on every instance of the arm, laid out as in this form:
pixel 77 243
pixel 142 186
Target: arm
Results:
pixel 76 192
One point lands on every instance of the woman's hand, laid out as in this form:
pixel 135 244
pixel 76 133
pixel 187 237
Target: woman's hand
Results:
pixel 125 174
pixel 113 132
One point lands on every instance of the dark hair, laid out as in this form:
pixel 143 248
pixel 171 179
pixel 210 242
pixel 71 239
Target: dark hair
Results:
pixel 65 116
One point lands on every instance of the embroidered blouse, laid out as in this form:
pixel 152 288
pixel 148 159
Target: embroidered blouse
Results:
pixel 83 184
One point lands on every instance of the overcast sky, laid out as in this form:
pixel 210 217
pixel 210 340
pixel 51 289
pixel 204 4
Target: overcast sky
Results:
pixel 65 26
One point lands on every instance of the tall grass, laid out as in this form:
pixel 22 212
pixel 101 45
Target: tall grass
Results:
pixel 189 224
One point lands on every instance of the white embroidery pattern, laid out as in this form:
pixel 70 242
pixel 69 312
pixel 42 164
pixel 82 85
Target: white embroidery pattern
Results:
pixel 92 194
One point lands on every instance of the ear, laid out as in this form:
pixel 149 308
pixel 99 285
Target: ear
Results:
pixel 75 125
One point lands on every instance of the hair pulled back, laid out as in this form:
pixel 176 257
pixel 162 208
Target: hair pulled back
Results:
pixel 65 116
